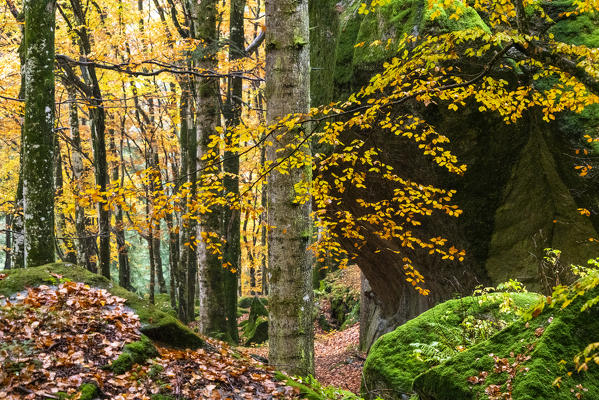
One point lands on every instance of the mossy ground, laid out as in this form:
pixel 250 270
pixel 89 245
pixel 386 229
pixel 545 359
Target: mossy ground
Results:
pixel 548 344
pixel 156 324
pixel 439 333
pixel 134 353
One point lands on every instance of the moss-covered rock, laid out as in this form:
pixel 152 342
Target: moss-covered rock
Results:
pixel 155 324
pixel 245 301
pixel 255 328
pixel 537 212
pixel 339 299
pixel 134 353
pixel 257 332
pixel 535 353
pixel 439 334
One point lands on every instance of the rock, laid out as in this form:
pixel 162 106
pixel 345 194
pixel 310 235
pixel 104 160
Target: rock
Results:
pixel 520 177
pixel 255 328
pixel 155 324
pixel 535 352
pixel 257 333
pixel 398 357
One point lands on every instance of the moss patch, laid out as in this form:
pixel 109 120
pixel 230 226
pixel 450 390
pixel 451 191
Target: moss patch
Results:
pixel 155 324
pixel 255 328
pixel 134 353
pixel 438 334
pixel 88 391
pixel 544 341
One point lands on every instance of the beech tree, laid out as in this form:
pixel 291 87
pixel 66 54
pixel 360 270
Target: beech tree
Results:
pixel 289 260
pixel 38 132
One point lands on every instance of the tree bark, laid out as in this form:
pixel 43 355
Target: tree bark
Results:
pixel 212 320
pixel 69 254
pixel 289 261
pixel 184 231
pixel 119 230
pixel 231 215
pixel 98 131
pixel 85 244
pixel 38 132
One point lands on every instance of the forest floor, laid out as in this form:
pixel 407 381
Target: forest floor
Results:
pixel 338 362
pixel 60 342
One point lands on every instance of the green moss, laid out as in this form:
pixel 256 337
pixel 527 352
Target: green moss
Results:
pixel 134 353
pixel 344 301
pixel 156 324
pixel 348 32
pixel 582 30
pixel 255 328
pixel 553 336
pixel 397 358
pixel 161 397
pixel 407 17
pixel 245 301
pixel 537 214
pixel 88 391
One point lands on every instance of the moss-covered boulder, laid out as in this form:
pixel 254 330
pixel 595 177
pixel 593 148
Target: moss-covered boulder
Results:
pixel 519 195
pixel 255 328
pixel 155 324
pixel 529 356
pixel 134 353
pixel 435 336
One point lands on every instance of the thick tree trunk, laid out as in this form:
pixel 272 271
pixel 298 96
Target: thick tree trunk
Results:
pixel 289 261
pixel 38 132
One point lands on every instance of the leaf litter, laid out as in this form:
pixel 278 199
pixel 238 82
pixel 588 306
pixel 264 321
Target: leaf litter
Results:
pixel 54 339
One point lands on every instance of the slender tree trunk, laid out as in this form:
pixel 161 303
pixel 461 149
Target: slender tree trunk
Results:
pixel 119 230
pixel 38 132
pixel 156 183
pixel 212 319
pixel 173 251
pixel 291 346
pixel 85 245
pixel 98 130
pixel 69 254
pixel 8 242
pixel 231 217
pixel 184 231
pixel 18 223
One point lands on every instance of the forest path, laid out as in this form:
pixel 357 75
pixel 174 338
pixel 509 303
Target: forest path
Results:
pixel 338 362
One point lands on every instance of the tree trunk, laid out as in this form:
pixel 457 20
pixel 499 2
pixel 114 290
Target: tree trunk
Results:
pixel 69 253
pixel 119 230
pixel 98 131
pixel 8 242
pixel 212 320
pixel 85 245
pixel 289 261
pixel 38 132
pixel 231 217
pixel 184 231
